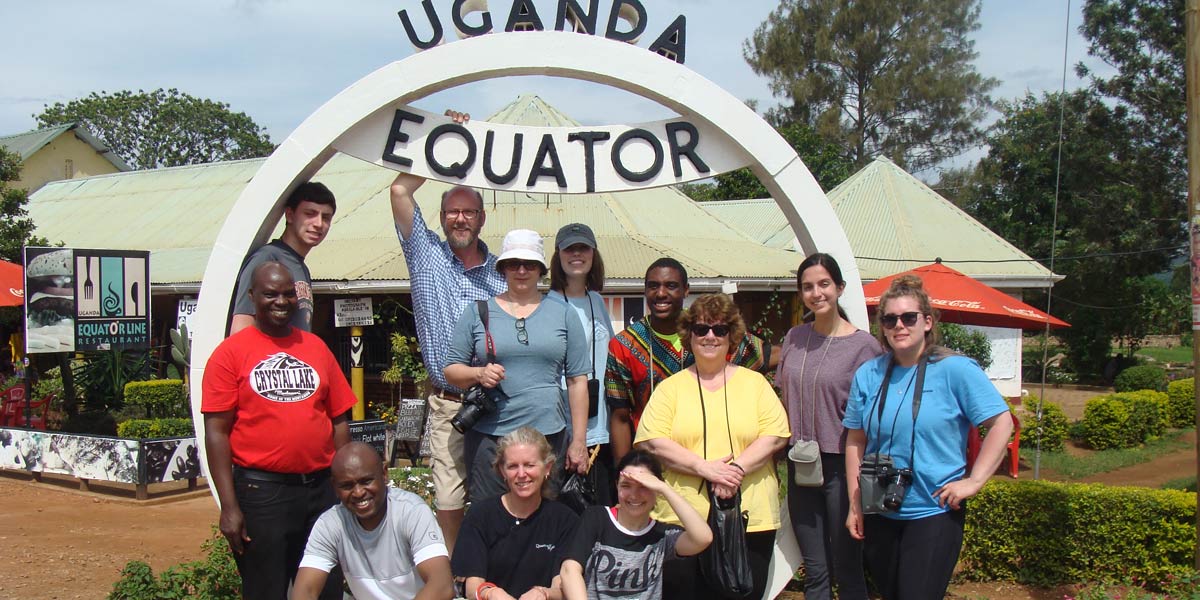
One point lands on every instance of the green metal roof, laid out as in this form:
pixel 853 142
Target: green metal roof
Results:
pixel 895 223
pixel 28 143
pixel 177 212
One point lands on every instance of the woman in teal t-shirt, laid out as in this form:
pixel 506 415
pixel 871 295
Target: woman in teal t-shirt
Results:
pixel 912 533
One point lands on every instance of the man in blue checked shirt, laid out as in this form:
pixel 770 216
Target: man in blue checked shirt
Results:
pixel 446 276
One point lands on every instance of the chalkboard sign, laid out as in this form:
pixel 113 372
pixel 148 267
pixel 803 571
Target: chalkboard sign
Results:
pixel 373 432
pixel 410 419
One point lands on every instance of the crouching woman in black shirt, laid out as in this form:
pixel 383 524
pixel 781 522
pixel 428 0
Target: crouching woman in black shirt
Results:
pixel 619 551
pixel 510 546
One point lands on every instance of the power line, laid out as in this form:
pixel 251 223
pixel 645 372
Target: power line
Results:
pixel 1026 260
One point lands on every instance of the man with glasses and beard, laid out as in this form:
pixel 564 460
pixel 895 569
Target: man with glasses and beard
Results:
pixel 649 350
pixel 445 276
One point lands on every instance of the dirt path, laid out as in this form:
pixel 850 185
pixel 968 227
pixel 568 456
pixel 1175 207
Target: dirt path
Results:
pixel 57 543
pixel 1156 472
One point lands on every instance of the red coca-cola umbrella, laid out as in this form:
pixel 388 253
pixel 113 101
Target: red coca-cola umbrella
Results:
pixel 12 284
pixel 961 299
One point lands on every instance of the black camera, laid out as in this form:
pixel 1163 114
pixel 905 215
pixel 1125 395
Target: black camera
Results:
pixel 477 402
pixel 882 485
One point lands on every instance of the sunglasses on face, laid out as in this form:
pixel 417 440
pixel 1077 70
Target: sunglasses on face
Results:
pixel 909 319
pixel 517 265
pixel 702 329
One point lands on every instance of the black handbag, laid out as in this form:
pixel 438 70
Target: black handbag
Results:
pixel 579 491
pixel 725 564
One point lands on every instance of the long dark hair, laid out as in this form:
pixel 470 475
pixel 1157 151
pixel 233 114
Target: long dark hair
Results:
pixel 595 277
pixel 820 259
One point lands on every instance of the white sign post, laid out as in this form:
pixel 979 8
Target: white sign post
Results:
pixel 353 312
pixel 187 308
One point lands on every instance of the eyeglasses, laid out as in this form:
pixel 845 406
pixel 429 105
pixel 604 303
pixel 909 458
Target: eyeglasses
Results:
pixel 469 214
pixel 513 264
pixel 522 334
pixel 702 329
pixel 909 319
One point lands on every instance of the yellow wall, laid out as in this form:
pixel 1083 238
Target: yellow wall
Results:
pixel 49 163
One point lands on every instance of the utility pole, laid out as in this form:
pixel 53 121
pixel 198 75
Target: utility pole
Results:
pixel 1192 70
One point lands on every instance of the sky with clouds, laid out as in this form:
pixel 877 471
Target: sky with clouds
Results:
pixel 279 60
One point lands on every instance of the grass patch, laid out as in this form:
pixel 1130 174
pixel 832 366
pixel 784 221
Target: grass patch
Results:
pixel 1178 354
pixel 1187 484
pixel 1103 461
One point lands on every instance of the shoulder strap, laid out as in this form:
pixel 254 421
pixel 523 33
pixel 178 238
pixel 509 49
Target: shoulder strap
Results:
pixel 481 306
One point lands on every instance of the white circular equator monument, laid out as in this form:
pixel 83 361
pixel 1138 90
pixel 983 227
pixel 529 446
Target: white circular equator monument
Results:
pixel 562 54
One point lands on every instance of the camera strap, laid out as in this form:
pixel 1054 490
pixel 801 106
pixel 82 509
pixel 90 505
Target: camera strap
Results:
pixel 916 401
pixel 481 307
pixel 704 417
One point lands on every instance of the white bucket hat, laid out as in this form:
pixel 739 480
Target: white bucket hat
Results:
pixel 522 244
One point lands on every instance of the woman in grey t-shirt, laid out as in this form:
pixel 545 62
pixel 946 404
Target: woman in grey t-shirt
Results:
pixel 816 365
pixel 536 340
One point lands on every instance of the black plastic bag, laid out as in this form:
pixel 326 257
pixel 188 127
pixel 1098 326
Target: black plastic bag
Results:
pixel 725 565
pixel 577 492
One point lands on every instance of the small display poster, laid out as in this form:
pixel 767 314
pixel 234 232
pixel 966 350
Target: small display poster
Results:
pixel 353 312
pixel 79 300
pixel 183 316
pixel 373 432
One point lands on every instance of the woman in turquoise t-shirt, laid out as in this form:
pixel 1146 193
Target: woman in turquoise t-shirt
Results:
pixel 911 541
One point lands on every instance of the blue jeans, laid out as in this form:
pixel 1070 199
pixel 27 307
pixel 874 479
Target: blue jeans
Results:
pixel 278 519
pixel 819 522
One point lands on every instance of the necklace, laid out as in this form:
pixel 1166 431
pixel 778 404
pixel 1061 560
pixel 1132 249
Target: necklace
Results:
pixel 815 378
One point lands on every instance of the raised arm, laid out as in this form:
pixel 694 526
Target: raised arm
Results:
pixel 404 206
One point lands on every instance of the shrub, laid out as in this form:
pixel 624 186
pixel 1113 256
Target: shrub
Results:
pixel 213 578
pixel 1181 401
pixel 141 429
pixel 1103 425
pixel 971 342
pixel 1078 532
pixel 1148 414
pixel 1141 377
pixel 96 422
pixel 418 480
pixel 160 397
pixel 1054 425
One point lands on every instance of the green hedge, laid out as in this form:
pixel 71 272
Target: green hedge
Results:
pixel 160 397
pixel 1141 377
pixel 1054 423
pixel 1044 533
pixel 140 429
pixel 1125 419
pixel 1181 398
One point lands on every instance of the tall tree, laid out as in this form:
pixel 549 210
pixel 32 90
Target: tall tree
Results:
pixel 827 163
pixel 891 77
pixel 1119 208
pixel 16 228
pixel 1144 40
pixel 163 128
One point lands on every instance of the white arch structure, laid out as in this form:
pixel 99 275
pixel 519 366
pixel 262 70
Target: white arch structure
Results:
pixel 561 54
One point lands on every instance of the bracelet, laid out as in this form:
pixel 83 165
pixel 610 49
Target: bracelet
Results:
pixel 483 587
pixel 738 467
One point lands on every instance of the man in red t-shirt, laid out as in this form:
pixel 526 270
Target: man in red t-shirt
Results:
pixel 274 404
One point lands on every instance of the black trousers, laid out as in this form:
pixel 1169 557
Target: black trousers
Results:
pixel 913 560
pixel 819 522
pixel 682 580
pixel 279 517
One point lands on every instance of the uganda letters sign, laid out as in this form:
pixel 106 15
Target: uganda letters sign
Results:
pixel 81 300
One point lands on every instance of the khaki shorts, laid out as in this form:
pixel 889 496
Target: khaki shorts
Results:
pixel 446 455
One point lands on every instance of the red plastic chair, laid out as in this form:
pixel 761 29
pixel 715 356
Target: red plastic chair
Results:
pixel 13 398
pixel 975 442
pixel 14 409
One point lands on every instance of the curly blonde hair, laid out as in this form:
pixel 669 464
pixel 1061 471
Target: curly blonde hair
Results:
pixel 912 287
pixel 712 309
pixel 526 436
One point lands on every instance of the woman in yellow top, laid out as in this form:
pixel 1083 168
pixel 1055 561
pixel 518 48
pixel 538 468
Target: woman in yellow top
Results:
pixel 720 423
